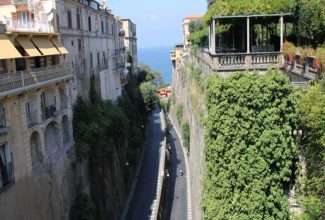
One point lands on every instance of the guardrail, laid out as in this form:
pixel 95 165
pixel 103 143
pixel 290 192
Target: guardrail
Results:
pixel 156 203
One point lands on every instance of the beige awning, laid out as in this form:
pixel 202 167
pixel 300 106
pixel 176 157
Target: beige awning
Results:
pixel 28 46
pixel 45 46
pixel 59 46
pixel 8 50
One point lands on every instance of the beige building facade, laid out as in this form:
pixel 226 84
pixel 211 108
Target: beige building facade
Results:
pixel 130 41
pixel 49 51
pixel 36 136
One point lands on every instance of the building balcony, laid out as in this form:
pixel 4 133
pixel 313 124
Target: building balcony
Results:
pixel 172 55
pixel 29 26
pixel 21 81
pixel 123 77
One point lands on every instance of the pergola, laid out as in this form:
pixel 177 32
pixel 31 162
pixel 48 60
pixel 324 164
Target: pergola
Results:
pixel 247 20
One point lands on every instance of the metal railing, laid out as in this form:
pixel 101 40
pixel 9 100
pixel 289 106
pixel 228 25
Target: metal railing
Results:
pixel 28 78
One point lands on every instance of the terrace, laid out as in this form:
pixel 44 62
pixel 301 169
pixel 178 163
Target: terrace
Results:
pixel 247 42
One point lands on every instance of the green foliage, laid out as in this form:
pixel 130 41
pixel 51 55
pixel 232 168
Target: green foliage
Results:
pixel 244 7
pixel 164 104
pixel 83 209
pixel 100 127
pixel 199 37
pixel 148 91
pixel 196 25
pixel 250 158
pixel 179 113
pixel 312 115
pixel 186 134
pixel 198 33
pixel 151 75
pixel 311 23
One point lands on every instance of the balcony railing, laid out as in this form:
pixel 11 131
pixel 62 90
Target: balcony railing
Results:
pixel 246 61
pixel 30 26
pixel 307 69
pixel 23 80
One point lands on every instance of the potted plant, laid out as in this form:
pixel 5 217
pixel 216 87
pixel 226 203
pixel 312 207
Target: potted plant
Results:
pixel 289 51
pixel 320 58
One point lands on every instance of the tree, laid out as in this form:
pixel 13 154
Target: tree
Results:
pixel 148 91
pixel 250 158
pixel 311 22
pixel 312 115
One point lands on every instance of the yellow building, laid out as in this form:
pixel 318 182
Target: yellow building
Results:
pixel 35 126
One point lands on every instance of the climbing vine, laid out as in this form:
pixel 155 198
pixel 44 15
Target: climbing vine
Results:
pixel 250 156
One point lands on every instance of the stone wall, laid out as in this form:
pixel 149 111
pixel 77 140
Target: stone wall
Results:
pixel 183 94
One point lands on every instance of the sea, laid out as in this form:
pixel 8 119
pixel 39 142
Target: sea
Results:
pixel 158 59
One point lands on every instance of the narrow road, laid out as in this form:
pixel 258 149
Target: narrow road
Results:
pixel 145 190
pixel 176 200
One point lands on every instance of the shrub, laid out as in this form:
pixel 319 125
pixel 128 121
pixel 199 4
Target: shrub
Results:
pixel 186 134
pixel 179 113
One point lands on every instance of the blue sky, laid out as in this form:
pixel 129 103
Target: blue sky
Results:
pixel 159 22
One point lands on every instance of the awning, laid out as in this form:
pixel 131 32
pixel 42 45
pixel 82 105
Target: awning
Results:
pixel 45 46
pixel 8 50
pixel 28 46
pixel 59 46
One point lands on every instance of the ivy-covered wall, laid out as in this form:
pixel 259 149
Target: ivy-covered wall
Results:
pixel 250 156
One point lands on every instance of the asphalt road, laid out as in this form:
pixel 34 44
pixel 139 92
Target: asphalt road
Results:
pixel 176 200
pixel 145 190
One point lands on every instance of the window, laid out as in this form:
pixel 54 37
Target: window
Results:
pixel 57 20
pixel 6 168
pixel 23 19
pixel 78 19
pixel 89 23
pixel 104 59
pixel 91 61
pixel 98 60
pixel 69 19
pixel 2 117
pixel 79 45
pixel 103 27
pixel 3 66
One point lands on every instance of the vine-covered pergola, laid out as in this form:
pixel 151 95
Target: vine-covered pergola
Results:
pixel 256 33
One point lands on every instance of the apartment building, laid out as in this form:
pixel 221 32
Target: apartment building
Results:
pixel 130 40
pixel 91 33
pixel 35 125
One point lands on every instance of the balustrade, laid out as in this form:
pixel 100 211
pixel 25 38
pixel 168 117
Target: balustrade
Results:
pixel 28 78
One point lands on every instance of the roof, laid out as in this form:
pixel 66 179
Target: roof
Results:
pixel 192 17
pixel 252 15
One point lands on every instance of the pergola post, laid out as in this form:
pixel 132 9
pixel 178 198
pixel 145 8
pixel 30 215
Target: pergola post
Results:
pixel 281 34
pixel 213 37
pixel 248 34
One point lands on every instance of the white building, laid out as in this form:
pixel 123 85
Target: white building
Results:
pixel 130 41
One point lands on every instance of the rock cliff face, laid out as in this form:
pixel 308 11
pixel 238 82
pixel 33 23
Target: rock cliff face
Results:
pixel 186 93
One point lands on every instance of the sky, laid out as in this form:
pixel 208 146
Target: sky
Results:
pixel 159 22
